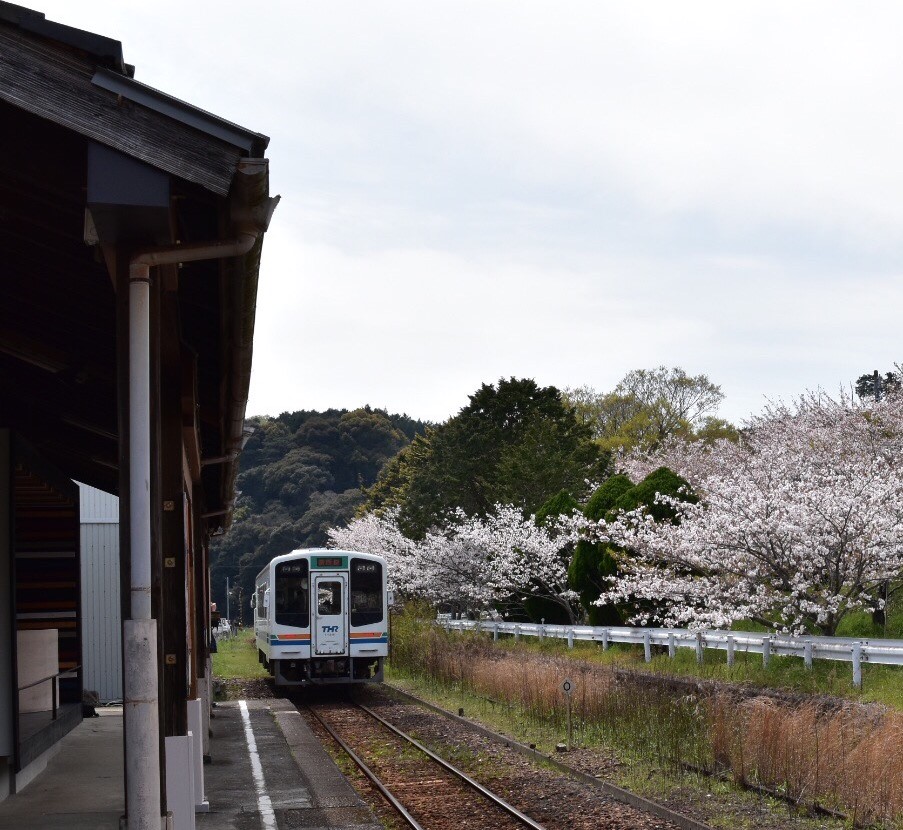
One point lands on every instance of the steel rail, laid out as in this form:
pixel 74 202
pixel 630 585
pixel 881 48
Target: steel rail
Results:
pixel 473 784
pixel 500 802
pixel 374 779
pixel 614 792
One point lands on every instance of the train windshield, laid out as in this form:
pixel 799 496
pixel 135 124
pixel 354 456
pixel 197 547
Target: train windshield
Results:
pixel 292 594
pixel 366 592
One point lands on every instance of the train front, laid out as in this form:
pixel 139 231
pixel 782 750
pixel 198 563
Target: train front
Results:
pixel 329 619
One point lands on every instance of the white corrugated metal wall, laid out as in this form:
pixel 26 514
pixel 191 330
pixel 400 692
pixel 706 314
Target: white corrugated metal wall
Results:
pixel 101 623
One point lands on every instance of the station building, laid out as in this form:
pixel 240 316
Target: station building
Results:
pixel 132 226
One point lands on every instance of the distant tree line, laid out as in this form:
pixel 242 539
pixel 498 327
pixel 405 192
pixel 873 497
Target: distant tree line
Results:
pixel 301 473
pixel 577 504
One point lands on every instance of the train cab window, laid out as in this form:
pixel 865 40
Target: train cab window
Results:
pixel 329 598
pixel 260 610
pixel 366 592
pixel 292 594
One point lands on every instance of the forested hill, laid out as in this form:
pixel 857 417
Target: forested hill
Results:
pixel 300 474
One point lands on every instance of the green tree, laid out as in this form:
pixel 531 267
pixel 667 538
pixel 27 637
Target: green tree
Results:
pixel 514 443
pixel 300 474
pixel 874 385
pixel 648 406
pixel 592 563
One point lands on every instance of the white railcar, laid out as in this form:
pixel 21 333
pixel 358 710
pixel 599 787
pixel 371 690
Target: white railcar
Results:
pixel 321 616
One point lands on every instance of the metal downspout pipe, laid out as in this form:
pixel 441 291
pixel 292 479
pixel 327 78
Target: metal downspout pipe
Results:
pixel 142 748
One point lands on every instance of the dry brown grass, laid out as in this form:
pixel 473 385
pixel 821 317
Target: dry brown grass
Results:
pixel 841 755
pixel 848 757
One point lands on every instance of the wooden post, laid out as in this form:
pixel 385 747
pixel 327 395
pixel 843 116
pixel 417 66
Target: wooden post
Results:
pixel 175 576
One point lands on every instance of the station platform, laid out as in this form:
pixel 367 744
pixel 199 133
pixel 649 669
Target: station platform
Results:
pixel 267 770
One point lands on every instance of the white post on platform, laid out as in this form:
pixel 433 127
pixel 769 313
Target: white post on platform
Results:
pixel 142 728
pixel 180 781
pixel 195 729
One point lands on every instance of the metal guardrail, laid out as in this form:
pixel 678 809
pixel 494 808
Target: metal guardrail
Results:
pixel 844 649
pixel 70 672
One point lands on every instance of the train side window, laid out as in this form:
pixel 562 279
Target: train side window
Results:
pixel 366 592
pixel 292 594
pixel 329 598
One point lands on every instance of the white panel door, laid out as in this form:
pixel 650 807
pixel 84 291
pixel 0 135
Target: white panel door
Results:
pixel 330 630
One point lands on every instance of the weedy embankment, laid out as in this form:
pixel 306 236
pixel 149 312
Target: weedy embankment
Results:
pixel 839 754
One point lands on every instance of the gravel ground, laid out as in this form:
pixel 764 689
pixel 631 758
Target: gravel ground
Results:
pixel 553 800
pixel 557 801
pixel 548 796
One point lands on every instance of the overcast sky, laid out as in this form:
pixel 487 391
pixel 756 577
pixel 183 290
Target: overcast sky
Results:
pixel 563 191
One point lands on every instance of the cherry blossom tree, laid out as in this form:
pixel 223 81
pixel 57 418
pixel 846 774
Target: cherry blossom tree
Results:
pixel 473 563
pixel 798 524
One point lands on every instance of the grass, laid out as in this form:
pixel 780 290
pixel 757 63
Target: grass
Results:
pixel 844 755
pixel 726 807
pixel 236 658
pixel 880 684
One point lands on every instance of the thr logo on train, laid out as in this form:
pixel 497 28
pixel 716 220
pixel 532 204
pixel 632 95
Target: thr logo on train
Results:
pixel 330 629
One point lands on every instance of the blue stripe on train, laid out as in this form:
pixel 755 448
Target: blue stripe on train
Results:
pixel 275 641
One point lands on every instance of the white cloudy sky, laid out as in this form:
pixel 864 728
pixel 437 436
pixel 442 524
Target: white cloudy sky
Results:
pixel 564 191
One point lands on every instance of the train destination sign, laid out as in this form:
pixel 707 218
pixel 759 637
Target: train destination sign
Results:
pixel 331 562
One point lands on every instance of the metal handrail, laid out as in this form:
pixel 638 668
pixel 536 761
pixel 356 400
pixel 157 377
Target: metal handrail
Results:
pixel 846 649
pixel 53 694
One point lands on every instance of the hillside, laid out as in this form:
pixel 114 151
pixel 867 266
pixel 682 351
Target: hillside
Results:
pixel 300 474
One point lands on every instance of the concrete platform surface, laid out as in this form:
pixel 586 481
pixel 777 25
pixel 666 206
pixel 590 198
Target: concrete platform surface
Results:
pixel 81 788
pixel 301 785
pixel 268 771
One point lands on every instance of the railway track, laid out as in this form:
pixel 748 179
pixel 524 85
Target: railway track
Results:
pixel 536 791
pixel 426 791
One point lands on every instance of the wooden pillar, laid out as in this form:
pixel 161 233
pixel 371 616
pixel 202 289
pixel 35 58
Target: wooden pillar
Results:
pixel 175 572
pixel 202 588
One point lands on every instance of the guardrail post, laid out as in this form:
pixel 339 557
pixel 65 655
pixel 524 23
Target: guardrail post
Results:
pixel 672 646
pixel 517 634
pixel 647 646
pixel 604 639
pixel 807 654
pixel 542 630
pixel 857 665
pixel 570 638
pixel 495 631
pixel 730 650
pixel 448 625
pixel 699 652
pixel 766 651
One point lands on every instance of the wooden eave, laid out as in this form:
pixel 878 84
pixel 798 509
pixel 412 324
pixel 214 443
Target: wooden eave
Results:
pixel 55 84
pixel 58 364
